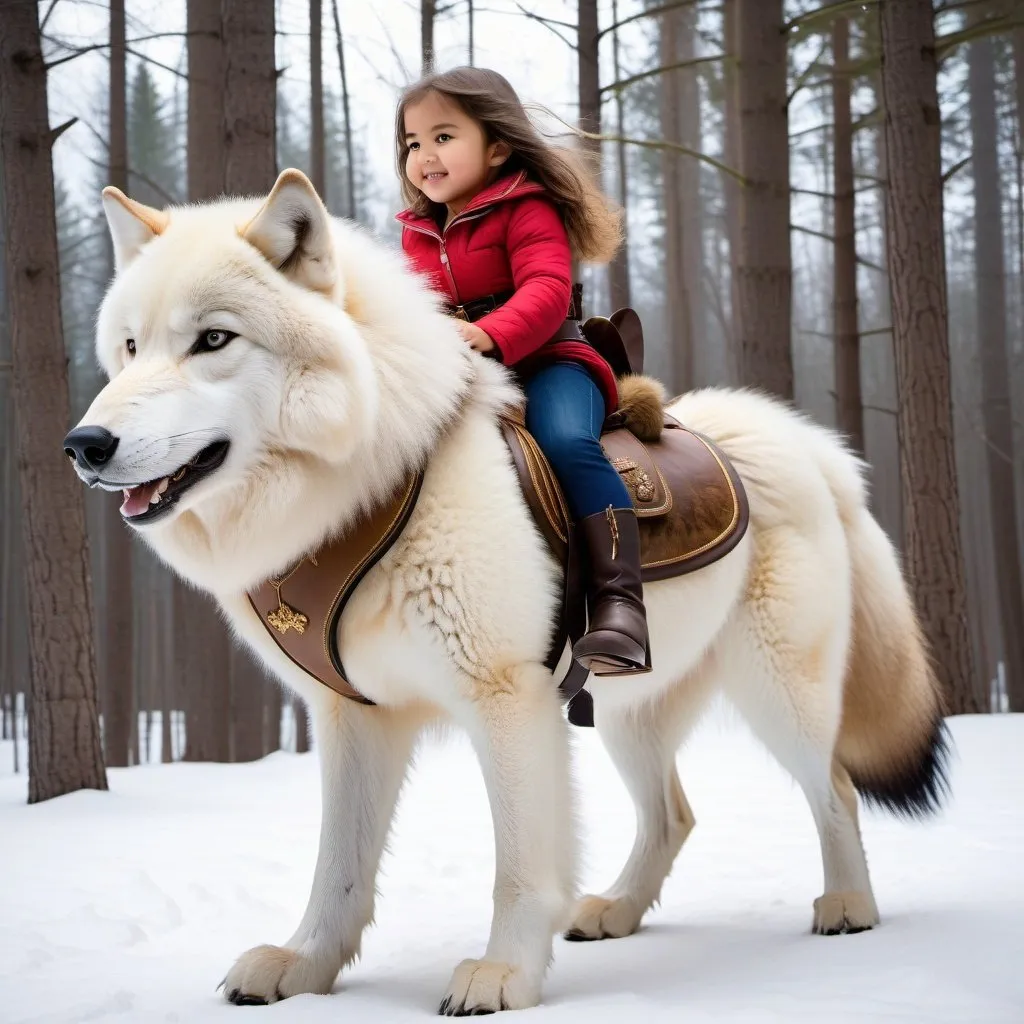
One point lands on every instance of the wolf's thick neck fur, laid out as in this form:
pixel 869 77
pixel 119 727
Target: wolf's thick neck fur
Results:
pixel 380 348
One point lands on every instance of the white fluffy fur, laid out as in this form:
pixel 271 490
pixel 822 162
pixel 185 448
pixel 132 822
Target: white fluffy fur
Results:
pixel 342 378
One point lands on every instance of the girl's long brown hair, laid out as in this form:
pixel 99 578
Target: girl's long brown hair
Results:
pixel 593 223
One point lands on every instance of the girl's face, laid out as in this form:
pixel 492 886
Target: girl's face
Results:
pixel 450 159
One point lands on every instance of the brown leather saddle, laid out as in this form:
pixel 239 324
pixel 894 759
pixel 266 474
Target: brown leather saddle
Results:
pixel 689 500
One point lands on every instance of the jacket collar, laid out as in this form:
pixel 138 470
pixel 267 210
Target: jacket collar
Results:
pixel 505 189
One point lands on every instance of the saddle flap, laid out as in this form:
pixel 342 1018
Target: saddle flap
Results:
pixel 639 471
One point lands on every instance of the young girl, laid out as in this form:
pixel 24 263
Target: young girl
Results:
pixel 495 215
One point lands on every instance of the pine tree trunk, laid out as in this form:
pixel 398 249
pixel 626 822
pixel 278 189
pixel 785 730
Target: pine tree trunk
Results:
pixel 301 725
pixel 428 11
pixel 849 405
pixel 679 100
pixel 116 636
pixel 996 406
pixel 248 697
pixel 730 187
pixel 250 96
pixel 199 656
pixel 351 209
pixel 589 80
pixel 206 137
pixel 471 18
pixel 589 93
pixel 917 276
pixel 64 751
pixel 317 160
pixel 618 270
pixel 764 273
pixel 203 664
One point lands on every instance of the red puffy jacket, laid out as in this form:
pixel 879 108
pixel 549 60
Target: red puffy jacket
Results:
pixel 509 237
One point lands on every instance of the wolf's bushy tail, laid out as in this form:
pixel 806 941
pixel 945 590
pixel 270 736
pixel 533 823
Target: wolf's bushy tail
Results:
pixel 893 740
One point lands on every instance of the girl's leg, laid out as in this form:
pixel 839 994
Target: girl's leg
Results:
pixel 565 411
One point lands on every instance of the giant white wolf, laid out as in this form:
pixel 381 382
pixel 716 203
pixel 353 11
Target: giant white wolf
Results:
pixel 274 372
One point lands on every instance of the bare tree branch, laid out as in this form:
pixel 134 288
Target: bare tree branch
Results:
pixel 46 16
pixel 1002 23
pixel 826 14
pixel 804 75
pixel 831 238
pixel 550 25
pixel 651 12
pixel 615 86
pixel 958 166
pixel 81 51
pixel 56 133
pixel 546 21
pixel 156 63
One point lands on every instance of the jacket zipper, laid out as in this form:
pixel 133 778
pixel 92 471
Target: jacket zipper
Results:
pixel 465 215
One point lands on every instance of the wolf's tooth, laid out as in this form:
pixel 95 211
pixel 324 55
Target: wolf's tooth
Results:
pixel 181 472
pixel 164 484
pixel 154 498
pixel 127 494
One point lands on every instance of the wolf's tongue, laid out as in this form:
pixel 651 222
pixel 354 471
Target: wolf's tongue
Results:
pixel 136 499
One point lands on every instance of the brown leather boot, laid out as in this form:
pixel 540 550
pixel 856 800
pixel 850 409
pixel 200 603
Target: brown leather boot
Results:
pixel 616 642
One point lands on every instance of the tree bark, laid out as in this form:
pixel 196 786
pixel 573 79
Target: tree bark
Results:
pixel 996 405
pixel 352 209
pixel 679 96
pixel 917 277
pixel 248 698
pixel 764 272
pixel 64 751
pixel 250 96
pixel 730 187
pixel 301 725
pixel 317 161
pixel 618 271
pixel 200 654
pixel 116 637
pixel 428 11
pixel 203 663
pixel 849 404
pixel 206 136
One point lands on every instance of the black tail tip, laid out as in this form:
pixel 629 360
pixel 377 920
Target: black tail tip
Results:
pixel 919 787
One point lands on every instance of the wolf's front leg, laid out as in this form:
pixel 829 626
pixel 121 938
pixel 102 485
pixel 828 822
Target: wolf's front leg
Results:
pixel 364 753
pixel 520 736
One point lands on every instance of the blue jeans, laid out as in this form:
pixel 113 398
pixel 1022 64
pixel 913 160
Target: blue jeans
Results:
pixel 564 412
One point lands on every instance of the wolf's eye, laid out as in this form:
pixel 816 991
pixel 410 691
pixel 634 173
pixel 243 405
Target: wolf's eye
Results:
pixel 211 340
pixel 130 345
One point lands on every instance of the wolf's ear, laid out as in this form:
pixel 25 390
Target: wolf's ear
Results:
pixel 132 224
pixel 293 230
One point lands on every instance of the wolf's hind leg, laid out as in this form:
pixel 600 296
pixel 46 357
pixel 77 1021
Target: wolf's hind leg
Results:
pixel 364 753
pixel 790 693
pixel 642 742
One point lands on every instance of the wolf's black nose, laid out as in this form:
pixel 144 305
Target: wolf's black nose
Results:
pixel 90 447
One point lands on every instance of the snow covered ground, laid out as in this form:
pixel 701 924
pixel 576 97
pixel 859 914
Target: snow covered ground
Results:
pixel 130 905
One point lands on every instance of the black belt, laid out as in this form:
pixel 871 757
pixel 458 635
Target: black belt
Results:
pixel 477 308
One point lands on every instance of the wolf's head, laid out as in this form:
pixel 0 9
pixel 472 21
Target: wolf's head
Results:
pixel 270 367
pixel 224 341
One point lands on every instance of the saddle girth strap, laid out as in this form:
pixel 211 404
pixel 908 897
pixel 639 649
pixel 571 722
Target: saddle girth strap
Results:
pixel 301 609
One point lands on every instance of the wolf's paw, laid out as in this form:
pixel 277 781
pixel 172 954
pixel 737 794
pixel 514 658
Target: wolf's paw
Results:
pixel 841 913
pixel 595 917
pixel 267 974
pixel 483 986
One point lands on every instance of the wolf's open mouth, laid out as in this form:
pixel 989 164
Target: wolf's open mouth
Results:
pixel 150 501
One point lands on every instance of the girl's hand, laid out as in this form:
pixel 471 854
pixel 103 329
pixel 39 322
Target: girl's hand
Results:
pixel 476 337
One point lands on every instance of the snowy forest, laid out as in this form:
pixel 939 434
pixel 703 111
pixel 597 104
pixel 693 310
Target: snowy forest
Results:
pixel 786 228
